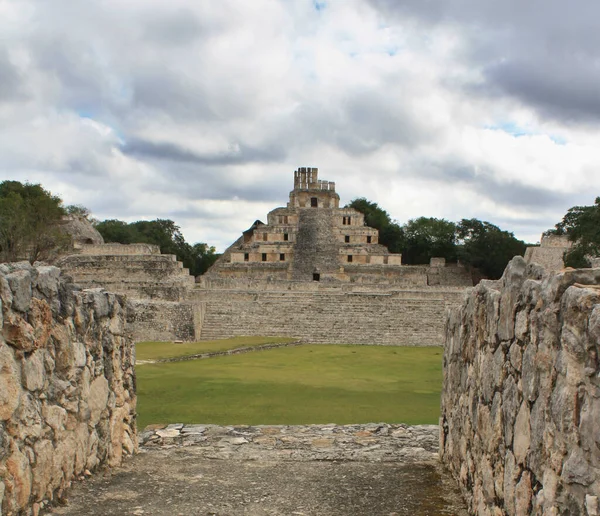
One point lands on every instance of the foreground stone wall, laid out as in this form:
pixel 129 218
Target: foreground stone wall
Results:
pixel 521 393
pixel 410 317
pixel 67 385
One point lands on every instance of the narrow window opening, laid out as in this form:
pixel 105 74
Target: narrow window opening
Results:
pixel 349 221
pixel 286 237
pixel 368 239
pixel 264 257
pixel 316 276
pixel 282 257
pixel 347 239
pixel 385 260
pixel 265 237
pixel 246 257
pixel 349 258
pixel 285 219
pixel 314 202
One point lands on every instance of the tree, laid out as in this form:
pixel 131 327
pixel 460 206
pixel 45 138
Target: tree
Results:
pixel 30 218
pixel 486 247
pixel 163 233
pixel 582 226
pixel 204 256
pixel 427 237
pixel 390 233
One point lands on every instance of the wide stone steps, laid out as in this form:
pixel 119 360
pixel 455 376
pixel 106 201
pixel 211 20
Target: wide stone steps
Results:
pixel 322 317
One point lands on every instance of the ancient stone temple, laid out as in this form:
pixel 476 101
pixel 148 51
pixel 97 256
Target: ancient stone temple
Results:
pixel 312 238
pixel 313 271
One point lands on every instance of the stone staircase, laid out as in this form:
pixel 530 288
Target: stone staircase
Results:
pixel 403 318
pixel 140 276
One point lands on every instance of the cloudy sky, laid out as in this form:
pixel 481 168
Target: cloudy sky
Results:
pixel 200 110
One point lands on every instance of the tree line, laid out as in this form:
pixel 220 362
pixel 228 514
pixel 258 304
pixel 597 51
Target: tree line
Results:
pixel 477 244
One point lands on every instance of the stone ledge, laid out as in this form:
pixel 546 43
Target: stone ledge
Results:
pixel 372 442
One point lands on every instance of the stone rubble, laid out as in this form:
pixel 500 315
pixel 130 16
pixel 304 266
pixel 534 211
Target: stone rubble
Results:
pixel 374 442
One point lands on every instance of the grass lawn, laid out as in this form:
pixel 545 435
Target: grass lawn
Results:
pixel 296 385
pixel 158 350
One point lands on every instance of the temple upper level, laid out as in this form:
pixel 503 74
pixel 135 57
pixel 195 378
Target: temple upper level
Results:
pixel 311 192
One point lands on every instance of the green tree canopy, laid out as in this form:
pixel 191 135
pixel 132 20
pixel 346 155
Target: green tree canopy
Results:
pixel 427 237
pixel 486 247
pixel 164 233
pixel 478 244
pixel 390 233
pixel 30 218
pixel 582 225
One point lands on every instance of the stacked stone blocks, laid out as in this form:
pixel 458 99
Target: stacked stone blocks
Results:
pixel 521 393
pixel 67 385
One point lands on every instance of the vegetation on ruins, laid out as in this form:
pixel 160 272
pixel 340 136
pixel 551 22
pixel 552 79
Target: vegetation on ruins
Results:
pixel 582 226
pixel 164 233
pixel 296 385
pixel 480 245
pixel 30 219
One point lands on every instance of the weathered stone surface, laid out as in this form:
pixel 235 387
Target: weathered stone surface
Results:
pixel 538 442
pixel 20 285
pixel 10 380
pixel 48 396
pixel 33 373
pixel 372 442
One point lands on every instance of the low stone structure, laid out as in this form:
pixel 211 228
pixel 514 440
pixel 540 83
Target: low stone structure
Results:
pixel 157 285
pixel 378 442
pixel 521 393
pixel 549 254
pixel 67 385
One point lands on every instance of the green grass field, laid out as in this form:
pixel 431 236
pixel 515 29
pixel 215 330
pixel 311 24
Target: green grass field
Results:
pixel 160 350
pixel 295 385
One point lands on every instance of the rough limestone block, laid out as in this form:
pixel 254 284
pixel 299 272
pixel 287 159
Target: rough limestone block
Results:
pixel 10 382
pixel 20 285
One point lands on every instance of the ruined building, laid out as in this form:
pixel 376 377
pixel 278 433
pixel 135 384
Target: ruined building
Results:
pixel 313 271
pixel 312 238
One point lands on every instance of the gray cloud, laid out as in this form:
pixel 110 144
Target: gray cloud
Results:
pixel 10 80
pixel 239 154
pixel 178 28
pixel 544 53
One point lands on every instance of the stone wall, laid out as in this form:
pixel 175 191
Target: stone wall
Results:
pixel 521 393
pixel 162 320
pixel 549 254
pixel 67 385
pixel 408 317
